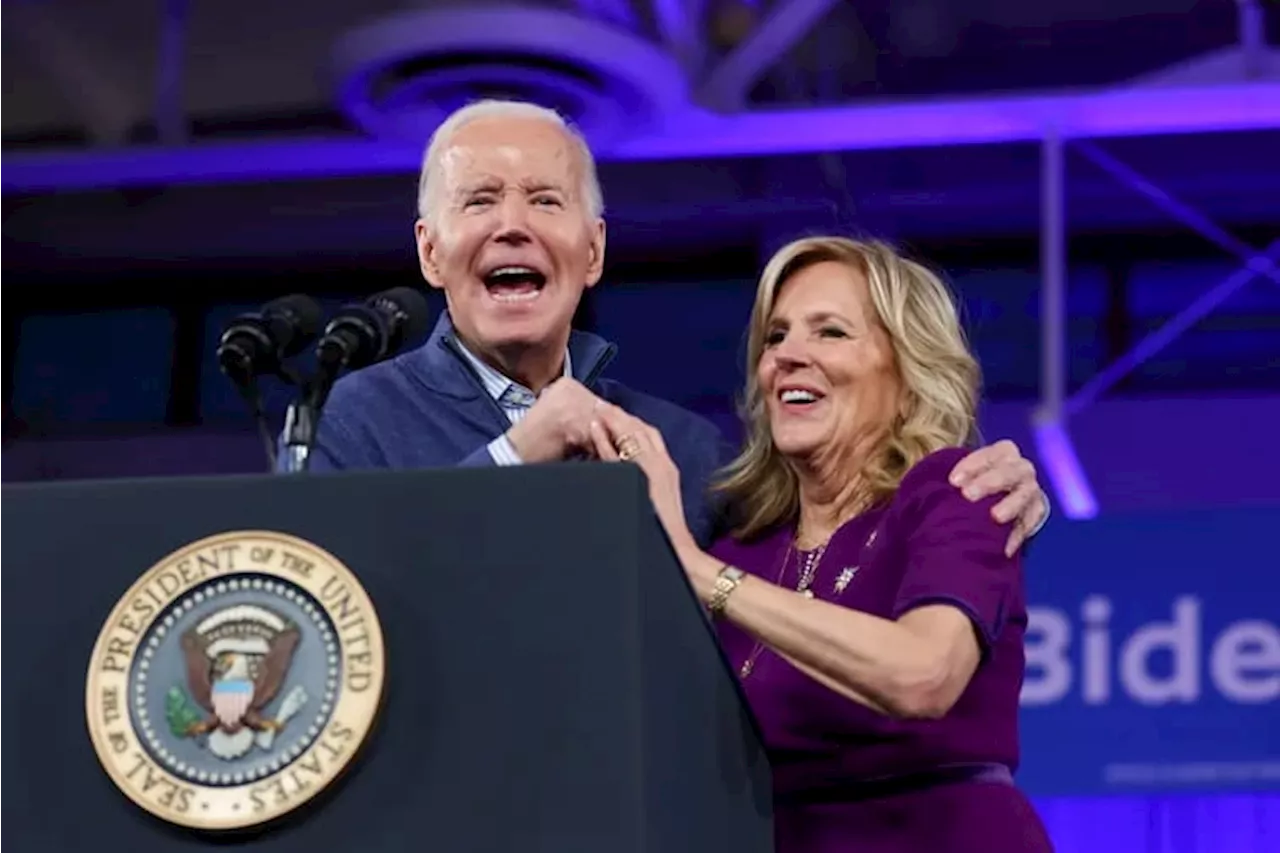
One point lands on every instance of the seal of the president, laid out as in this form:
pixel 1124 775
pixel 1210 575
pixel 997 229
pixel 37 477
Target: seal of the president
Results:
pixel 235 680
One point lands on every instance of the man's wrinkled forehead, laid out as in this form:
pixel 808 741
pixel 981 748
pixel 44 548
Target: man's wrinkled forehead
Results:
pixel 479 154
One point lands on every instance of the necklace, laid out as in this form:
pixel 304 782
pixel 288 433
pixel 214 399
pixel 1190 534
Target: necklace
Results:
pixel 808 571
pixel 804 585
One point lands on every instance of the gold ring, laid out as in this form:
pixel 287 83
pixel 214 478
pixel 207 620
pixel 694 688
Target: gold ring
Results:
pixel 628 447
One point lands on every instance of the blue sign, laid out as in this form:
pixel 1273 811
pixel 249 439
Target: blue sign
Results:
pixel 1153 655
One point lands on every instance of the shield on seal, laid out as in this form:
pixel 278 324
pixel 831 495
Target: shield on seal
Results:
pixel 231 700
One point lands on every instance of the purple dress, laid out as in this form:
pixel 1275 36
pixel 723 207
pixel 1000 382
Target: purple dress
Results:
pixel 850 780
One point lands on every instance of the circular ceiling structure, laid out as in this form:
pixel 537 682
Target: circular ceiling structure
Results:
pixel 401 75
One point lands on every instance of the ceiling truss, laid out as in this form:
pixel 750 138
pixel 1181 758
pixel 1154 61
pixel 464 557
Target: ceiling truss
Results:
pixel 1234 90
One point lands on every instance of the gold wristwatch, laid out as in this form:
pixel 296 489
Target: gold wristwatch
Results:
pixel 726 582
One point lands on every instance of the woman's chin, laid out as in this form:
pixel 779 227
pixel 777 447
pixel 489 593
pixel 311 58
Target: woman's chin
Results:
pixel 796 446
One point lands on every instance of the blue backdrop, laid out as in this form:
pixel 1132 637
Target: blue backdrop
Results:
pixel 1151 707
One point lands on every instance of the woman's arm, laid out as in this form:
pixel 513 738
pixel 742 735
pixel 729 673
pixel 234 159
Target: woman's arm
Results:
pixel 956 587
pixel 916 667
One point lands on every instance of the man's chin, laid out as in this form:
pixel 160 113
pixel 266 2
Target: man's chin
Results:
pixel 518 333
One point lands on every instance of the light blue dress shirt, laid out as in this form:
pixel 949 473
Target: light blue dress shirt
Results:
pixel 514 399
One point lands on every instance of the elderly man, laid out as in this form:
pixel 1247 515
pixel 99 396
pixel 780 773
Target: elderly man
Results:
pixel 510 227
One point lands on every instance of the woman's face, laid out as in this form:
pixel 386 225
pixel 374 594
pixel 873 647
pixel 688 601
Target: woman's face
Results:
pixel 827 372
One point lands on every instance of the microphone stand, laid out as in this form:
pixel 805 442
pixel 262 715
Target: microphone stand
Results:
pixel 302 416
pixel 236 367
pixel 299 435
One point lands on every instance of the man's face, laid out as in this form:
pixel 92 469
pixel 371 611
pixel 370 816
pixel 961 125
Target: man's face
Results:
pixel 512 243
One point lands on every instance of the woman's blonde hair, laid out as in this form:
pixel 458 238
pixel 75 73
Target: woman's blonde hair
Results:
pixel 940 380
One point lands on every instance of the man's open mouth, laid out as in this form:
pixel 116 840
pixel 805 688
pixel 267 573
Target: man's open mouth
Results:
pixel 514 283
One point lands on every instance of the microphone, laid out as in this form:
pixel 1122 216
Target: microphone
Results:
pixel 373 330
pixel 258 343
pixel 361 335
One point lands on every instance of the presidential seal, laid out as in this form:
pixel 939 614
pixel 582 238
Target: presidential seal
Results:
pixel 235 680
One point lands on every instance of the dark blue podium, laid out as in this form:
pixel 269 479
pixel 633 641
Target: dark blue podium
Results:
pixel 548 681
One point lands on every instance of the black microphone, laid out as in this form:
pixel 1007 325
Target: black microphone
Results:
pixel 373 330
pixel 257 343
pixel 359 336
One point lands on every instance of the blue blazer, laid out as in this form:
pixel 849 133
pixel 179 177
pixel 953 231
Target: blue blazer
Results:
pixel 428 409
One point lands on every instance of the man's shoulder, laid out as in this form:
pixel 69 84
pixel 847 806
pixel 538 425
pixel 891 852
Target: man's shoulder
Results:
pixel 371 387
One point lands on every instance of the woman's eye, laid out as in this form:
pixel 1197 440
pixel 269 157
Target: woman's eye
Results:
pixel 832 332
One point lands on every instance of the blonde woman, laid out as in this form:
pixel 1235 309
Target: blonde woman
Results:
pixel 868 607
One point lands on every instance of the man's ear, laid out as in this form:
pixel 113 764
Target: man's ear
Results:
pixel 425 237
pixel 595 261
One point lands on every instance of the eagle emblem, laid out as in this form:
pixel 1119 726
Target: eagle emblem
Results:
pixel 237 660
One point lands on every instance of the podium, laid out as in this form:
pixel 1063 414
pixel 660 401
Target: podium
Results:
pixel 545 679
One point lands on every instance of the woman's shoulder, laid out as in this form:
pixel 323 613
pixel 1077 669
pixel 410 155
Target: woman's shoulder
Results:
pixel 926 491
pixel 928 482
pixel 931 470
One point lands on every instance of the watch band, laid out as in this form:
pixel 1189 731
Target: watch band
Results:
pixel 727 581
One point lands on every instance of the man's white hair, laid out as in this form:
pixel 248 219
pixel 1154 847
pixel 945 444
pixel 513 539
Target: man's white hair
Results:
pixel 591 193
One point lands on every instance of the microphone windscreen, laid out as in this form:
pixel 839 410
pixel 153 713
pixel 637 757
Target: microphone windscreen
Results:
pixel 304 311
pixel 412 309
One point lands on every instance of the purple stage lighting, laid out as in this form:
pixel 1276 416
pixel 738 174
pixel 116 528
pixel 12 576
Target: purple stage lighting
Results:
pixel 1066 475
pixel 692 133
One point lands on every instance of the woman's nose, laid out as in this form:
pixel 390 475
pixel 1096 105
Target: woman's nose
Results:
pixel 791 350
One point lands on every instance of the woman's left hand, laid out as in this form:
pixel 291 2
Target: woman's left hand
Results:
pixel 619 436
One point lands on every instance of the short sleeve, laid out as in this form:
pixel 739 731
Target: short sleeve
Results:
pixel 954 549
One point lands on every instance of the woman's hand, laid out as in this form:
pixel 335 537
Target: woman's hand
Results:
pixel 619 436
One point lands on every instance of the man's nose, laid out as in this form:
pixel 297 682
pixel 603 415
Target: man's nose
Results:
pixel 513 221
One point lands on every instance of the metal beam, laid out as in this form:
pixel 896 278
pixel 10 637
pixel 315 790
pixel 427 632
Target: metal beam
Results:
pixel 1179 210
pixel 681 24
pixel 695 134
pixel 1053 277
pixel 726 87
pixel 1253 38
pixel 1250 60
pixel 1255 265
pixel 1157 340
pixel 1053 439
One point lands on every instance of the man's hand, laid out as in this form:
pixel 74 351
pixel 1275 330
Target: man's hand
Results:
pixel 558 424
pixel 999 468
